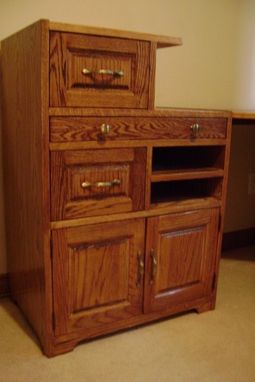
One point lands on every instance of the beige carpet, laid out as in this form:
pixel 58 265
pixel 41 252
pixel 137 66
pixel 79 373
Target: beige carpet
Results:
pixel 213 346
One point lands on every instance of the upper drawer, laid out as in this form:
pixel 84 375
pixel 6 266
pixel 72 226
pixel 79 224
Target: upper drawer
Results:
pixel 125 128
pixel 91 71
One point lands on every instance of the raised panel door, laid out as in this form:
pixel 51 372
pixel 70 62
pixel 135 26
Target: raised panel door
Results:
pixel 97 274
pixel 180 259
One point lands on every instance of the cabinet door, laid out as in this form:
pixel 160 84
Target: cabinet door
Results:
pixel 97 274
pixel 180 258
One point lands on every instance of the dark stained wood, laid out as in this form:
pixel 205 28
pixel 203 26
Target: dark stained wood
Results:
pixel 128 128
pixel 4 285
pixel 184 248
pixel 25 158
pixel 70 169
pixel 71 53
pixel 95 274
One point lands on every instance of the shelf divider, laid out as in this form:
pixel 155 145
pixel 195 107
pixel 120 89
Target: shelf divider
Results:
pixel 186 174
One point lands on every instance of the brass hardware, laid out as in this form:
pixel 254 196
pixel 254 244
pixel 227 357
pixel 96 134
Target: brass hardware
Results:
pixel 86 71
pixel 112 183
pixel 105 128
pixel 118 73
pixel 114 73
pixel 154 265
pixel 195 129
pixel 140 268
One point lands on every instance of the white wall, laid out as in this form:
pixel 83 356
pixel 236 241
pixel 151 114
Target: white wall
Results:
pixel 213 69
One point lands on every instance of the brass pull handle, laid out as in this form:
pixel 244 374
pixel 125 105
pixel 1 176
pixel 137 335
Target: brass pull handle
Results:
pixel 154 265
pixel 140 268
pixel 195 129
pixel 118 73
pixel 111 183
pixel 114 73
pixel 105 128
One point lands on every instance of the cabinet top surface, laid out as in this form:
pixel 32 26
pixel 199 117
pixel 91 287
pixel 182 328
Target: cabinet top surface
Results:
pixel 162 41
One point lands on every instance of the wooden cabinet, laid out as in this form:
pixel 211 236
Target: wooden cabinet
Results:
pixel 113 208
pixel 180 258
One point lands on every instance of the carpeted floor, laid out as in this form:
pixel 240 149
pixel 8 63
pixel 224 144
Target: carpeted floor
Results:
pixel 214 346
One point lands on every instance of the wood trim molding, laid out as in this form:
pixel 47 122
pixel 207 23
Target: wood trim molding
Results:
pixel 237 239
pixel 4 285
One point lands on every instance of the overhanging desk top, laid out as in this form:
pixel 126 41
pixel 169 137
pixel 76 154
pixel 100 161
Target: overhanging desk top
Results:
pixel 243 114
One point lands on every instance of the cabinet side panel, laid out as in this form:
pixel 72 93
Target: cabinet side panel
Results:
pixel 25 137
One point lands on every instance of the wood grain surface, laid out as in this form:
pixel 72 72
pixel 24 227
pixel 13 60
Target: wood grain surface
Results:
pixel 95 274
pixel 26 175
pixel 71 53
pixel 128 128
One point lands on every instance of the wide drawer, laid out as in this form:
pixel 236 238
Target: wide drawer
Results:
pixel 64 129
pixel 92 71
pixel 97 182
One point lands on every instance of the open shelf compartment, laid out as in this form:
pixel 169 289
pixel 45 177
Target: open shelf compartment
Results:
pixel 180 163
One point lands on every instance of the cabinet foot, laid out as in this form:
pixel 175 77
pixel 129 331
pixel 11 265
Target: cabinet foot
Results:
pixel 209 305
pixel 52 350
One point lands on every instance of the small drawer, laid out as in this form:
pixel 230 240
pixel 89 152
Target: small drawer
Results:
pixel 130 128
pixel 97 182
pixel 91 71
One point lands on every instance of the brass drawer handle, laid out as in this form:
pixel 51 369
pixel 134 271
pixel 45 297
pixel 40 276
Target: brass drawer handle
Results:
pixel 154 265
pixel 105 128
pixel 114 73
pixel 195 129
pixel 112 183
pixel 140 268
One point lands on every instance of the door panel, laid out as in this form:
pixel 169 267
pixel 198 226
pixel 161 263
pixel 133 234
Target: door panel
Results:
pixel 96 274
pixel 180 258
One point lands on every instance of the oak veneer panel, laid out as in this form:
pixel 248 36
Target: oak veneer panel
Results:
pixel 25 158
pixel 128 128
pixel 184 247
pixel 95 274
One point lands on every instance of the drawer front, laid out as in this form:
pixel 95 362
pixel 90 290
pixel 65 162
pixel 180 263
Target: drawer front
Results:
pixel 90 71
pixel 97 182
pixel 128 128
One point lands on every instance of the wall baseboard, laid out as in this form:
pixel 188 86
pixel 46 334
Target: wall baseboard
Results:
pixel 4 285
pixel 238 239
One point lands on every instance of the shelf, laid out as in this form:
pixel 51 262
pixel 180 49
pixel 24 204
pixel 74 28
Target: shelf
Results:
pixel 189 173
pixel 186 204
pixel 184 189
